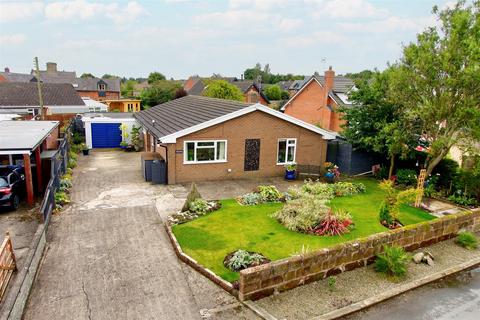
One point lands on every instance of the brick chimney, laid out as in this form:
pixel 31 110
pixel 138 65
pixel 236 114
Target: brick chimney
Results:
pixel 51 67
pixel 329 79
pixel 7 69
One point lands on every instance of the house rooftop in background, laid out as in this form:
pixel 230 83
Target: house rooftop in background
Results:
pixel 195 86
pixel 22 98
pixel 95 88
pixel 192 113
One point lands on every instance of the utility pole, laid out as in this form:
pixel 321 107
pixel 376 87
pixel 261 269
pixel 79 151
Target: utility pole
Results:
pixel 39 87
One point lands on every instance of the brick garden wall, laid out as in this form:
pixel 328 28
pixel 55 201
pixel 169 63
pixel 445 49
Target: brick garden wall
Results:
pixel 267 279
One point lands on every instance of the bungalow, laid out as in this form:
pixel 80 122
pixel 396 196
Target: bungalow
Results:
pixel 318 100
pixel 252 91
pixel 22 98
pixel 212 139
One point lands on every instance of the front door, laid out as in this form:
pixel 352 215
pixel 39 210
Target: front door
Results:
pixel 252 154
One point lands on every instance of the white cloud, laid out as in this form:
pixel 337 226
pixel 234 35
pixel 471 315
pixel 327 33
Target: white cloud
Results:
pixel 315 38
pixel 83 10
pixel 13 11
pixel 12 39
pixel 346 9
pixel 290 24
pixel 388 25
pixel 258 4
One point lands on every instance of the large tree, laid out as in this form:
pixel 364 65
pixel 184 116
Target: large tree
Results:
pixel 375 123
pixel 223 90
pixel 437 80
pixel 155 76
pixel 159 92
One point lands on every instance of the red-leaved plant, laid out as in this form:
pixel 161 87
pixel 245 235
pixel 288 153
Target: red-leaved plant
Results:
pixel 333 225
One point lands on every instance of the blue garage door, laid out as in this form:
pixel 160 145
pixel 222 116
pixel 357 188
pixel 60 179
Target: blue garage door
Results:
pixel 106 135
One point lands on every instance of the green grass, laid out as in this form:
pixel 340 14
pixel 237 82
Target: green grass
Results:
pixel 210 238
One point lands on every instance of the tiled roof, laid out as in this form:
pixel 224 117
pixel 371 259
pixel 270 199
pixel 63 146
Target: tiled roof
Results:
pixel 57 76
pixel 185 112
pixel 26 94
pixel 91 84
pixel 17 77
pixel 340 83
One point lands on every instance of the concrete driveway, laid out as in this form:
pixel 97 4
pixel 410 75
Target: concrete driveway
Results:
pixel 108 256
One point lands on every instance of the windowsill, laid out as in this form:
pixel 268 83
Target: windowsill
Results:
pixel 285 164
pixel 205 162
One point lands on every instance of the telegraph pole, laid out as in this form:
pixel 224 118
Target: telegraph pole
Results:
pixel 39 87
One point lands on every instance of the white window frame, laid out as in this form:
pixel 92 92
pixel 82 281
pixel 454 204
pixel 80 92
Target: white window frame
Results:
pixel 215 143
pixel 102 87
pixel 286 150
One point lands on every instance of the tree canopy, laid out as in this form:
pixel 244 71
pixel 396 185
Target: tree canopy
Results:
pixel 155 76
pixel 223 90
pixel 159 92
pixel 437 80
pixel 87 75
pixel 273 92
pixel 265 76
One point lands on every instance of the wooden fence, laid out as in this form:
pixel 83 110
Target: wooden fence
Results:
pixel 7 264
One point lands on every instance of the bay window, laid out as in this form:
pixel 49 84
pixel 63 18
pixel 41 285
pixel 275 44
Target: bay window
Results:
pixel 205 151
pixel 286 151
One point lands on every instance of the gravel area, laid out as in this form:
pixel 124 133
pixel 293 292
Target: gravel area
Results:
pixel 315 299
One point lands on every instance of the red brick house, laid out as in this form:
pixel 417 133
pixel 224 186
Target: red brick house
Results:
pixel 251 91
pixel 318 100
pixel 213 139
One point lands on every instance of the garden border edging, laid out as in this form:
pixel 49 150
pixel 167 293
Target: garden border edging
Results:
pixel 281 275
pixel 227 286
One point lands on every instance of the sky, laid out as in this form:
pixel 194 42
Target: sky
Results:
pixel 185 37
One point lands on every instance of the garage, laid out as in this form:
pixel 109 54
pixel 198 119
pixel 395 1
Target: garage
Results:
pixel 104 130
pixel 106 135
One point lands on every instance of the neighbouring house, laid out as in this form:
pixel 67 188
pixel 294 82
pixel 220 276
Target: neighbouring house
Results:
pixel 318 100
pixel 107 129
pixel 123 105
pixel 252 91
pixel 58 99
pixel 95 88
pixel 205 138
pixel 25 143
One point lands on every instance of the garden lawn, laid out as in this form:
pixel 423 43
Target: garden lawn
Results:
pixel 210 238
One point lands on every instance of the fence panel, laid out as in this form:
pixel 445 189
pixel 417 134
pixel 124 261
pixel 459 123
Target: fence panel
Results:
pixel 7 264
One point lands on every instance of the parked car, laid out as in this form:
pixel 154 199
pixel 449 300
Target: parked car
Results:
pixel 12 186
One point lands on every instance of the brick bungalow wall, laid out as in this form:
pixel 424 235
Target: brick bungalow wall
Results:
pixel 278 276
pixel 311 149
pixel 94 95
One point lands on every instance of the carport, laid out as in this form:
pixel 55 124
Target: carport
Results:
pixel 22 143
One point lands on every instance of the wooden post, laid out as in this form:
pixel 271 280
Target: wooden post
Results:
pixel 28 179
pixel 420 183
pixel 38 162
pixel 10 248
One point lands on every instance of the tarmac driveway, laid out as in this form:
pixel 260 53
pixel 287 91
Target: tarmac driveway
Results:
pixel 108 256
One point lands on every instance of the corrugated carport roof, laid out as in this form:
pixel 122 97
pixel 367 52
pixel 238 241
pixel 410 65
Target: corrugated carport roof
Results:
pixel 18 137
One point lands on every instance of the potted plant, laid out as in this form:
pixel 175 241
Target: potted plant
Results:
pixel 332 172
pixel 85 149
pixel 290 170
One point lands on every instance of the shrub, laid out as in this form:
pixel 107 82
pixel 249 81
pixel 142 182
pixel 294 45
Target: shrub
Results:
pixel 302 214
pixel 384 215
pixel 393 199
pixel 318 189
pixel 67 176
pixel 382 173
pixel 75 148
pixel 348 188
pixel 242 259
pixel 407 177
pixel 250 199
pixel 332 281
pixel 72 163
pixel 462 199
pixel 69 171
pixel 77 138
pixel 73 156
pixel 448 169
pixel 199 206
pixel 334 224
pixel 65 184
pixel 269 193
pixel 61 198
pixel 393 261
pixel 467 240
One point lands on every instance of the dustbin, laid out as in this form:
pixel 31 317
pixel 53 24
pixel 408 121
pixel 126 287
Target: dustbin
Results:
pixel 147 170
pixel 159 172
